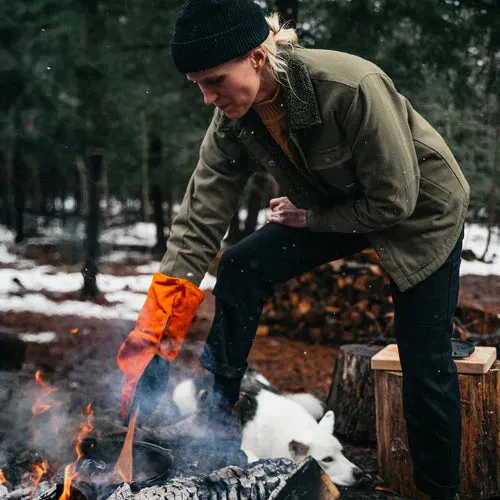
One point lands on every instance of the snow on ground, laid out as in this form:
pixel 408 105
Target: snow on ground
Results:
pixel 126 294
pixel 475 240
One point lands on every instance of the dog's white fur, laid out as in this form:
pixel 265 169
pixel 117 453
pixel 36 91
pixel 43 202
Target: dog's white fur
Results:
pixel 310 403
pixel 285 425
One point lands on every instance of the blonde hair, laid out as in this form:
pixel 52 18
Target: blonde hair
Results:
pixel 280 39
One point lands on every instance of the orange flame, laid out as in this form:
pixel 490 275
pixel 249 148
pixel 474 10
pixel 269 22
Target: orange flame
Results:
pixel 86 426
pixel 124 464
pixel 74 331
pixel 2 477
pixel 39 470
pixel 69 475
pixel 45 401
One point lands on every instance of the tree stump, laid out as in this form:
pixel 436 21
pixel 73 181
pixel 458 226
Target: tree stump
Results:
pixel 480 458
pixel 352 393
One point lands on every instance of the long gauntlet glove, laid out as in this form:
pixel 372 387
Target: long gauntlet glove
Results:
pixel 159 332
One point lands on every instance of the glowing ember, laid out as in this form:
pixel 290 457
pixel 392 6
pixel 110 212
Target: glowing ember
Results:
pixel 123 467
pixel 74 331
pixel 86 426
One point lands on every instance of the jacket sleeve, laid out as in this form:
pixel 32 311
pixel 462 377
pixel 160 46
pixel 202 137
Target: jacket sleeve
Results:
pixel 386 166
pixel 210 200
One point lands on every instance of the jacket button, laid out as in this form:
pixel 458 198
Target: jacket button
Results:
pixel 271 164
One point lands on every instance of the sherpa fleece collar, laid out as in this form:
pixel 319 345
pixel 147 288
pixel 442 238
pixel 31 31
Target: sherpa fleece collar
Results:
pixel 299 99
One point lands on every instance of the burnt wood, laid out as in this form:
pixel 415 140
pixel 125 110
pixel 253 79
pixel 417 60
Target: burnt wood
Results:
pixel 257 482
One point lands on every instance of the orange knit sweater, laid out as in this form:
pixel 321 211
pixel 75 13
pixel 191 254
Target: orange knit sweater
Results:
pixel 272 114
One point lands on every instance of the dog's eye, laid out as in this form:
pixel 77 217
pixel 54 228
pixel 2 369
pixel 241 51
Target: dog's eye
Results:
pixel 327 459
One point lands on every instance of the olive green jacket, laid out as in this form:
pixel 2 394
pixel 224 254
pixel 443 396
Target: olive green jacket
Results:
pixel 369 163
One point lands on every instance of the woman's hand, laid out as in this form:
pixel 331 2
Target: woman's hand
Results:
pixel 283 211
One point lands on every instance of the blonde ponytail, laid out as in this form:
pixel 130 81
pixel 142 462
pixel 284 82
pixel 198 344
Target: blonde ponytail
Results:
pixel 280 39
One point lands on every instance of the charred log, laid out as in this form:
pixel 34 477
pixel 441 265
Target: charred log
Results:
pixel 263 480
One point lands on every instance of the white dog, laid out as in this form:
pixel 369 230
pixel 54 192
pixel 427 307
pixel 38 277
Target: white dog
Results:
pixel 281 425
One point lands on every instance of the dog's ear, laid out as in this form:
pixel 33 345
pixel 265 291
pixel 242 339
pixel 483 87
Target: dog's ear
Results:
pixel 328 421
pixel 297 449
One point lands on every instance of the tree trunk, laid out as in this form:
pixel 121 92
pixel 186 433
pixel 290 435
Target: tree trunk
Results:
pixel 449 123
pixel 90 269
pixel 144 141
pixel 10 215
pixel 105 190
pixel 92 88
pixel 19 191
pixel 480 457
pixel 34 169
pixel 84 187
pixel 352 393
pixel 161 243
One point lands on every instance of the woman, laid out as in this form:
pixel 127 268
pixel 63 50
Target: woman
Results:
pixel 357 166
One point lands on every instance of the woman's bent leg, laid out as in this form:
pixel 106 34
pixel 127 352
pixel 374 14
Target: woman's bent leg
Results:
pixel 246 277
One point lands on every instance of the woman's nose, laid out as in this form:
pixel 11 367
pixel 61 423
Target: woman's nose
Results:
pixel 209 96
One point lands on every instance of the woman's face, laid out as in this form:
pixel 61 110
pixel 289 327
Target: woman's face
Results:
pixel 235 85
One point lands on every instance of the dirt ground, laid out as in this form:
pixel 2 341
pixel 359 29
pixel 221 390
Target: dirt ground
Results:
pixel 82 364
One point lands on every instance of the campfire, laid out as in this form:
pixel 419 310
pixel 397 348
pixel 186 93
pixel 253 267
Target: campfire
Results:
pixel 156 462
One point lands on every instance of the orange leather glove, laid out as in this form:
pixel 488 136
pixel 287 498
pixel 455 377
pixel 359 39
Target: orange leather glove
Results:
pixel 160 330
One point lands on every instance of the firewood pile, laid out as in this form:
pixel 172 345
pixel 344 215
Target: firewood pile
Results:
pixel 349 301
pixel 477 326
pixel 338 302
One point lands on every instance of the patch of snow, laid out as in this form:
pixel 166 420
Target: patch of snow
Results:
pixel 140 233
pixel 152 267
pixel 38 338
pixel 38 303
pixel 123 256
pixel 6 257
pixel 475 240
pixel 6 235
pixel 128 293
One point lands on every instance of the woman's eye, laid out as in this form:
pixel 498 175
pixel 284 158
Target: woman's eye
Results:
pixel 217 81
pixel 327 459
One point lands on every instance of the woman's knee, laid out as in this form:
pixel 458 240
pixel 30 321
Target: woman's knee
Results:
pixel 239 275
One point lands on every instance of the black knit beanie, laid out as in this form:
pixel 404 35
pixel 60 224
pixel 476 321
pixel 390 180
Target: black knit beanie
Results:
pixel 211 32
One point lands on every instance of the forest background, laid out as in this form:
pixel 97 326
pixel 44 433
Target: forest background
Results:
pixel 98 129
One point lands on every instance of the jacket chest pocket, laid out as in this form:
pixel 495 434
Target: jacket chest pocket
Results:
pixel 334 167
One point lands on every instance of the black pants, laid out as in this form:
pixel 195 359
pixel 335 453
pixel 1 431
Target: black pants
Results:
pixel 275 253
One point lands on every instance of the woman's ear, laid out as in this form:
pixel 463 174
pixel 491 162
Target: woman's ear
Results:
pixel 258 58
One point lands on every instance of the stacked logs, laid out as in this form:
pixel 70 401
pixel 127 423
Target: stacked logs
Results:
pixel 349 301
pixel 342 301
